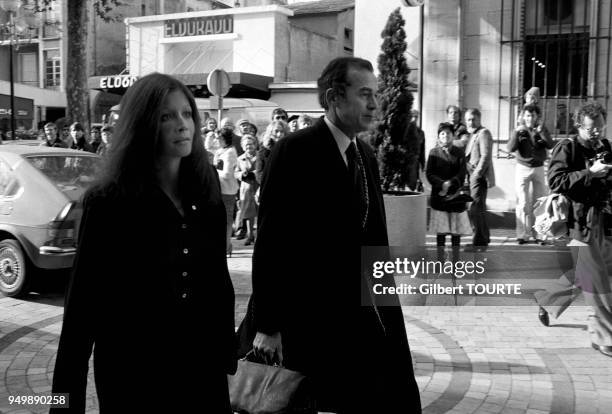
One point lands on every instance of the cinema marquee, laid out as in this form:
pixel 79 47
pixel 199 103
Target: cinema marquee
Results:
pixel 199 26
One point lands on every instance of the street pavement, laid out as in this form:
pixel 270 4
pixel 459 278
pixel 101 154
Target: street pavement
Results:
pixel 467 359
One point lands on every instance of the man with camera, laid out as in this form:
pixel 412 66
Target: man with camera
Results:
pixel 529 142
pixel 580 169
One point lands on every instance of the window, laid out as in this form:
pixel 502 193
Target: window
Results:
pixel 53 65
pixel 557 64
pixel 6 177
pixel 28 69
pixel 558 11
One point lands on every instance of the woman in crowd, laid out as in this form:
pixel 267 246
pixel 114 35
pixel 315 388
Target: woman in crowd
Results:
pixel 158 311
pixel 446 174
pixel 276 130
pixel 210 126
pixel 211 145
pixel 248 186
pixel 79 141
pixel 226 160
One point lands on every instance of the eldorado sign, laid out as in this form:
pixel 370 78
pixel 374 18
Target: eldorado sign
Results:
pixel 199 26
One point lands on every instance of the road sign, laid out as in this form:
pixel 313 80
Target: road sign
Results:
pixel 218 82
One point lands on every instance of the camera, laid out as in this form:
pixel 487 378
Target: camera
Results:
pixel 604 156
pixel 538 141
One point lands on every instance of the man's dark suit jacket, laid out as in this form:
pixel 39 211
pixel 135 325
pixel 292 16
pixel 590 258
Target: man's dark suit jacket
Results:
pixel 307 284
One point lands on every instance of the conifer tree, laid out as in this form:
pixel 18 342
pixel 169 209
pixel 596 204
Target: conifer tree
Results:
pixel 396 140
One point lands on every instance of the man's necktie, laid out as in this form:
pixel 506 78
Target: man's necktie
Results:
pixel 360 185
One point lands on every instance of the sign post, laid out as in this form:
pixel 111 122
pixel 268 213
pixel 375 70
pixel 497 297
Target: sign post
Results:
pixel 218 83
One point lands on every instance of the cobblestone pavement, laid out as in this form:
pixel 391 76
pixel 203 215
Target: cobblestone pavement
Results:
pixel 468 359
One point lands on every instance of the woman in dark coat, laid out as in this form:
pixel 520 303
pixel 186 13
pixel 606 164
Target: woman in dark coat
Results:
pixel 158 309
pixel 446 174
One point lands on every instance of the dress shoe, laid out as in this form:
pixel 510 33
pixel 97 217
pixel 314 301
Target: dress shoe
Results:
pixel 604 349
pixel 521 241
pixel 543 316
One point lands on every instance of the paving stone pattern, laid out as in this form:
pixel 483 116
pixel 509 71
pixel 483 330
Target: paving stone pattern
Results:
pixel 467 359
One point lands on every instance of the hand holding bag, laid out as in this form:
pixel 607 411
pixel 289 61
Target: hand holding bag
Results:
pixel 263 389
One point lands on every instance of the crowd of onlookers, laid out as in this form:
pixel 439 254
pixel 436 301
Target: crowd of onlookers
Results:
pixel 73 136
pixel 461 165
pixel 239 152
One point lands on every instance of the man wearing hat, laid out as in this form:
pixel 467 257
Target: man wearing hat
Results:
pixel 293 123
pixel 243 126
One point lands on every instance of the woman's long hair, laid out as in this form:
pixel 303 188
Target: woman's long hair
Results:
pixel 131 165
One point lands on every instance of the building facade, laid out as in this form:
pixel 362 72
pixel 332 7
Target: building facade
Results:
pixel 487 53
pixel 38 67
pixel 269 48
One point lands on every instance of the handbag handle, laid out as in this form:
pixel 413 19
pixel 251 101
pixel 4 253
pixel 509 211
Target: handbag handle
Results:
pixel 252 352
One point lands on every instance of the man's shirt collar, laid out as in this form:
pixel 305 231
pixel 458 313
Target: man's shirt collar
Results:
pixel 340 137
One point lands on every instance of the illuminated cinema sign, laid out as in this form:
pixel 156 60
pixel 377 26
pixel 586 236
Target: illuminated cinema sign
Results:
pixel 199 26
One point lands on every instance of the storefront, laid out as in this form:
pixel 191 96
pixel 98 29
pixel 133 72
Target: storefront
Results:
pixel 24 113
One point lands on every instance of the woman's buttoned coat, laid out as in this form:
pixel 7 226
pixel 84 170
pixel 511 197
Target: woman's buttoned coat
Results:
pixel 151 293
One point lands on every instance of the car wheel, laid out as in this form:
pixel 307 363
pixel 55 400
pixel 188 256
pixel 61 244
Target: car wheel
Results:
pixel 12 268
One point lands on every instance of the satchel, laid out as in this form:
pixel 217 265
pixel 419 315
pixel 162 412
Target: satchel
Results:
pixel 551 215
pixel 264 389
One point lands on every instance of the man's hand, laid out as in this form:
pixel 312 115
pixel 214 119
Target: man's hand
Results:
pixel 599 169
pixel 269 347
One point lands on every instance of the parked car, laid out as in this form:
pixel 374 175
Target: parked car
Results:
pixel 40 210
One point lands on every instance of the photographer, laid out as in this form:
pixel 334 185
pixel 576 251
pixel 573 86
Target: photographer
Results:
pixel 530 141
pixel 580 169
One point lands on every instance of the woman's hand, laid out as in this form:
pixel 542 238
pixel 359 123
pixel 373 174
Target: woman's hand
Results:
pixel 445 186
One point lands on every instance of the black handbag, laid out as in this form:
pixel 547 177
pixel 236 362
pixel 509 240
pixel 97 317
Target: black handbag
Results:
pixel 258 388
pixel 458 199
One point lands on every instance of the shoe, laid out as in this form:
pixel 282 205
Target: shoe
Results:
pixel 521 241
pixel 541 242
pixel 604 349
pixel 470 248
pixel 241 236
pixel 249 241
pixel 543 316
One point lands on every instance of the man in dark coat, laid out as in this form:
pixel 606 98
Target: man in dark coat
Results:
pixel 306 306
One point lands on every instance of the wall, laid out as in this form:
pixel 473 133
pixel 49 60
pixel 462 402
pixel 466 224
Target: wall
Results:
pixel 310 52
pixel 107 39
pixel 297 97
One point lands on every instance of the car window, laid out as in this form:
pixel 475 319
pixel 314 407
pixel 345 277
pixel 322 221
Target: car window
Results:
pixel 6 176
pixel 71 174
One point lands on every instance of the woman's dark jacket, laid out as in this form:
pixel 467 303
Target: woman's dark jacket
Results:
pixel 260 164
pixel 151 293
pixel 568 174
pixel 442 166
